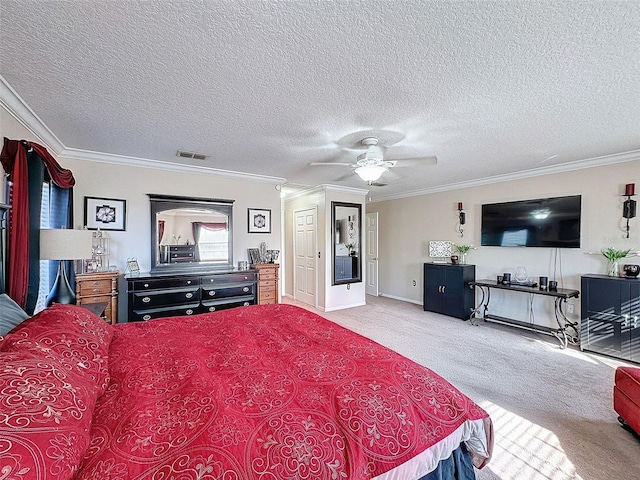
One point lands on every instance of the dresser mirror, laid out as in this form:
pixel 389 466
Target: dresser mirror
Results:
pixel 190 233
pixel 346 235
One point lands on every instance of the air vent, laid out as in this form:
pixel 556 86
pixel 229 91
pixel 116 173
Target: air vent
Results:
pixel 195 156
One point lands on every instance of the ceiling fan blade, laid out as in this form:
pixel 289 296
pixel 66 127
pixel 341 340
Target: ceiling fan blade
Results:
pixel 407 162
pixel 331 164
pixel 344 177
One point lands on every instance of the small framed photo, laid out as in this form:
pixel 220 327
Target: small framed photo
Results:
pixel 259 220
pixel 105 213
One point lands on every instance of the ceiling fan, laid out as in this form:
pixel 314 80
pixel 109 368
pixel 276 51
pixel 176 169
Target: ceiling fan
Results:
pixel 370 165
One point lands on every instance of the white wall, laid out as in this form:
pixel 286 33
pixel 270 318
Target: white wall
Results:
pixel 407 225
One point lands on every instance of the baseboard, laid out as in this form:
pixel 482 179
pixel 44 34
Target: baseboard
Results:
pixel 343 307
pixel 402 299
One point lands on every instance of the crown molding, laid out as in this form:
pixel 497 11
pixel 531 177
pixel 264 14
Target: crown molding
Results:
pixel 88 155
pixel 340 189
pixel 604 160
pixel 18 108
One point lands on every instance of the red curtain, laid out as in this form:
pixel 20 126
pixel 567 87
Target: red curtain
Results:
pixel 14 163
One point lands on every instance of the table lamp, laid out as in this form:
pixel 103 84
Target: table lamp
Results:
pixel 62 245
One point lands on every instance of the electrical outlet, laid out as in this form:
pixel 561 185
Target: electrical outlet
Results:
pixel 414 283
pixel 570 308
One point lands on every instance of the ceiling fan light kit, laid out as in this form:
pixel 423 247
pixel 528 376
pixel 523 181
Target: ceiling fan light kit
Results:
pixel 370 173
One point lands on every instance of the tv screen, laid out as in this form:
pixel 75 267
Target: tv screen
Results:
pixel 546 222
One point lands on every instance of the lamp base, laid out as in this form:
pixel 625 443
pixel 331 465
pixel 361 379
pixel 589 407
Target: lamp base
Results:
pixel 61 292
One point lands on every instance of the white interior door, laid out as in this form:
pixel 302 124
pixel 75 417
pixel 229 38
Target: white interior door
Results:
pixel 371 256
pixel 305 278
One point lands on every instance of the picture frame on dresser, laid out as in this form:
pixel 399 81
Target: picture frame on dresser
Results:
pixel 105 213
pixel 259 220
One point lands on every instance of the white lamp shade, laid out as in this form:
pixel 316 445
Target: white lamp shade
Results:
pixel 370 173
pixel 65 244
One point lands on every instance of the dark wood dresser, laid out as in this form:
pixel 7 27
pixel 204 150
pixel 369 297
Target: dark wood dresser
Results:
pixel 99 288
pixel 154 295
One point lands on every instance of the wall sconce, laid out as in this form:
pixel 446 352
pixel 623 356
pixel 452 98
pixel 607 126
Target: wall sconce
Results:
pixel 629 205
pixel 461 220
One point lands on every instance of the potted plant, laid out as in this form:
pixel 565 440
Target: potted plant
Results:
pixel 462 250
pixel 350 247
pixel 614 256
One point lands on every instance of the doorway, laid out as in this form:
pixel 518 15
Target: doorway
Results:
pixel 371 256
pixel 305 262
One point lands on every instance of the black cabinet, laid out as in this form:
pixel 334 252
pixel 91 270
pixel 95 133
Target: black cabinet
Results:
pixel 346 267
pixel 610 322
pixel 447 290
pixel 163 295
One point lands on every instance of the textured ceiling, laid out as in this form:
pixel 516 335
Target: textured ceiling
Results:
pixel 266 87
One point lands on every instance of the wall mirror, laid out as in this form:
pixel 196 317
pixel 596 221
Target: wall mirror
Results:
pixel 190 233
pixel 346 235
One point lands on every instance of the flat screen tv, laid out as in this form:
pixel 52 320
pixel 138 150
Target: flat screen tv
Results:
pixel 547 222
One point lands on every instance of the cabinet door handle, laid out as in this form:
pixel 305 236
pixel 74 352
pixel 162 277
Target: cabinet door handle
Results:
pixel 146 299
pixel 443 287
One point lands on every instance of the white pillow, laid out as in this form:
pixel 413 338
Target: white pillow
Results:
pixel 11 315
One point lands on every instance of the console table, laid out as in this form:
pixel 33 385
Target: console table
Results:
pixel 560 299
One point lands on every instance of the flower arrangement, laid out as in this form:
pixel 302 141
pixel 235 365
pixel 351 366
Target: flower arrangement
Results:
pixel 614 256
pixel 462 249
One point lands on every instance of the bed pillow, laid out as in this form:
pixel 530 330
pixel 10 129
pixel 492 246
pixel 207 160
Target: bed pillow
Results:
pixel 78 337
pixel 45 416
pixel 11 315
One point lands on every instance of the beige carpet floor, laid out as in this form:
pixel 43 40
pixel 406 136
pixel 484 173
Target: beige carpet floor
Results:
pixel 551 408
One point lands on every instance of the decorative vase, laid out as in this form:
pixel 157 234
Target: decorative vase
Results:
pixel 463 258
pixel 614 268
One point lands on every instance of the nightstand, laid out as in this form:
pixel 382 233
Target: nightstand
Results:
pixel 99 287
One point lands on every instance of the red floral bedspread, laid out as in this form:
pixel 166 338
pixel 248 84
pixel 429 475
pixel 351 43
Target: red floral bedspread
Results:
pixel 270 392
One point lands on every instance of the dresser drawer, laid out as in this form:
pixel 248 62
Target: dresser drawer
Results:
pixel 267 284
pixel 161 298
pixel 228 290
pixel 264 272
pixel 216 305
pixel 269 296
pixel 90 287
pixel 230 278
pixel 174 311
pixel 168 282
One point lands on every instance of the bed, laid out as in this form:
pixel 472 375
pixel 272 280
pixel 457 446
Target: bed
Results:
pixel 269 392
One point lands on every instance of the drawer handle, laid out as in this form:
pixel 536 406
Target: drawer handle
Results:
pixel 245 289
pixel 212 309
pixel 95 299
pixel 189 312
pixel 189 282
pixel 211 280
pixel 246 304
pixel 189 295
pixel 146 299
pixel 95 282
pixel 146 285
pixel 266 295
pixel 96 290
pixel 212 293
pixel 147 317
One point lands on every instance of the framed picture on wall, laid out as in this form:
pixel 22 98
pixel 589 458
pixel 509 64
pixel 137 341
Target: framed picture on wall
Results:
pixel 105 213
pixel 259 220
